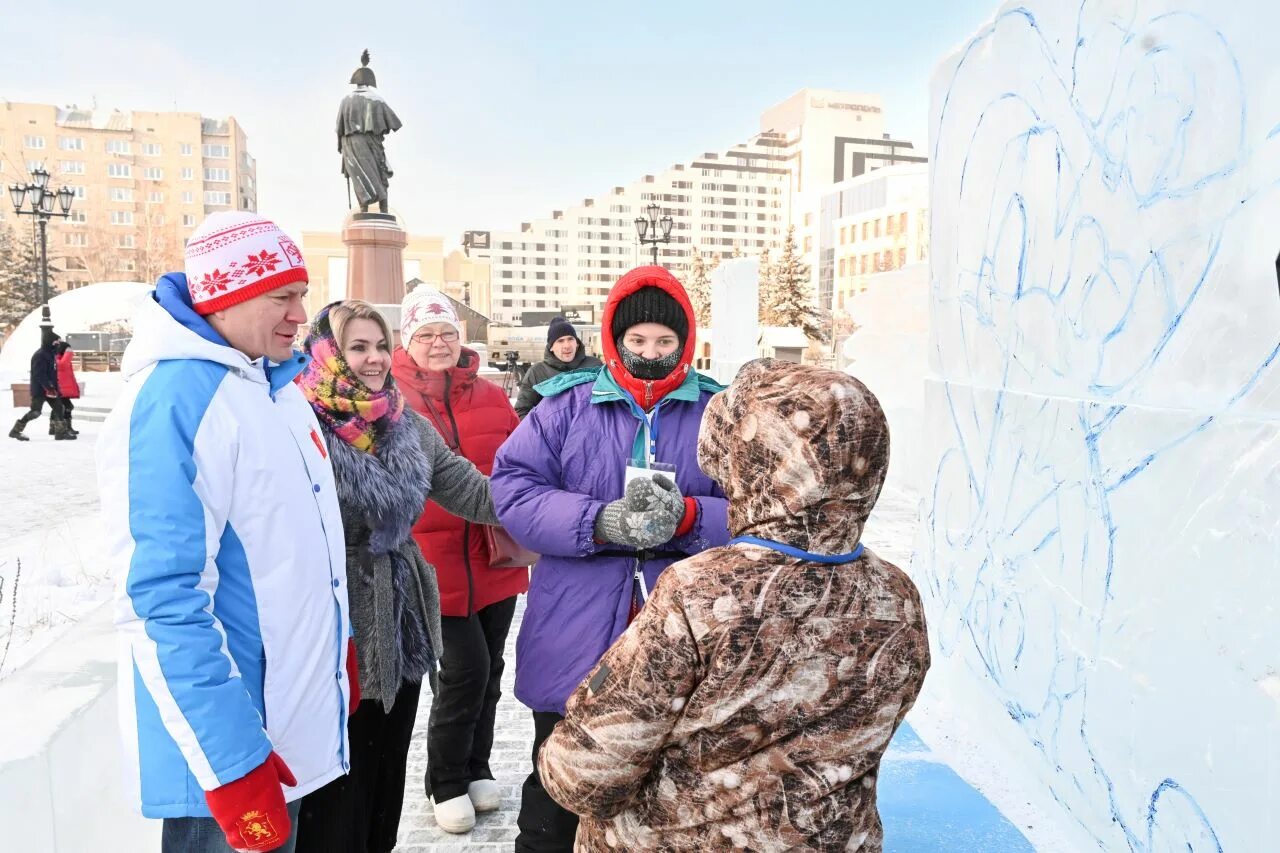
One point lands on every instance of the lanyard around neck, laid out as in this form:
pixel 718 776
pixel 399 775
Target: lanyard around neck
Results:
pixel 830 559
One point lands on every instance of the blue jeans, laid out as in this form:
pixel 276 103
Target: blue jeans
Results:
pixel 203 835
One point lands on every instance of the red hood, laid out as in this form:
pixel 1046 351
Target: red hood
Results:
pixel 648 393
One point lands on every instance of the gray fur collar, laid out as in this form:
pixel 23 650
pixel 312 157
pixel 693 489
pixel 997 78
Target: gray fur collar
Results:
pixel 388 488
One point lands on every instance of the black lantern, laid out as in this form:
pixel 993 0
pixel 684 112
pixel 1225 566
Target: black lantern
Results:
pixel 43 200
pixel 654 228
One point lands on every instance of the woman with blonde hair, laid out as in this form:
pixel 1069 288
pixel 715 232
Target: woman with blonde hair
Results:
pixel 386 462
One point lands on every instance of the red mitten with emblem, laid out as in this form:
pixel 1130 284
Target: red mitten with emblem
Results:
pixel 353 675
pixel 251 810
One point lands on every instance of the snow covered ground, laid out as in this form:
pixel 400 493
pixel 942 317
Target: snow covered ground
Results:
pixel 49 532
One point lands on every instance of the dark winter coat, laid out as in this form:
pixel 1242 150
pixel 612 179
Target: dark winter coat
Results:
pixel 749 704
pixel 549 367
pixel 68 387
pixel 474 417
pixel 551 479
pixel 395 603
pixel 44 373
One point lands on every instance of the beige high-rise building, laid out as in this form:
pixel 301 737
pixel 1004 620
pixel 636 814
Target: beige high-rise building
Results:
pixel 739 199
pixel 143 181
pixel 454 274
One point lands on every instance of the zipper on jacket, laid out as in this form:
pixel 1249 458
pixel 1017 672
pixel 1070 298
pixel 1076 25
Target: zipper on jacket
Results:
pixel 466 525
pixel 648 395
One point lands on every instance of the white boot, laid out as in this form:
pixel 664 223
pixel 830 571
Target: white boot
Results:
pixel 456 815
pixel 485 795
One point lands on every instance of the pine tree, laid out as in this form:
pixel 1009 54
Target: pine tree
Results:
pixel 19 282
pixel 765 294
pixel 699 288
pixel 792 304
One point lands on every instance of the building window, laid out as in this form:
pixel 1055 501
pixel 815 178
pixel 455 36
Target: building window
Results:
pixel 153 173
pixel 188 197
pixel 217 151
pixel 222 176
pixel 151 149
pixel 77 216
pixel 155 197
pixel 122 217
pixel 77 239
pixel 185 149
pixel 902 223
pixel 212 197
pixel 119 170
pixel 866 226
pixel 120 194
pixel 902 257
pixel 32 165
pixel 70 143
pixel 188 174
pixel 808 244
pixel 158 219
pixel 843 233
pixel 842 267
pixel 124 241
pixel 188 221
pixel 877 227
pixel 118 146
pixel 862 265
pixel 72 167
pixel 889 222
pixel 34 142
pixel 79 192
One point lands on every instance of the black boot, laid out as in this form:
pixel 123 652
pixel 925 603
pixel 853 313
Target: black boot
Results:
pixel 61 432
pixel 70 428
pixel 16 432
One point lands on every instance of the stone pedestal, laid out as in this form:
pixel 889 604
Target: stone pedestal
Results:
pixel 375 258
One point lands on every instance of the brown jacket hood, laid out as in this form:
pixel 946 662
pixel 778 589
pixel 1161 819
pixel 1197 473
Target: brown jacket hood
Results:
pixel 801 453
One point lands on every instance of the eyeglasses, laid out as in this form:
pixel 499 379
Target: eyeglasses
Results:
pixel 429 338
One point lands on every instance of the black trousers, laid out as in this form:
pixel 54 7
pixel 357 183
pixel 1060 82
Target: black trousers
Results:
pixel 545 825
pixel 460 732
pixel 360 812
pixel 57 408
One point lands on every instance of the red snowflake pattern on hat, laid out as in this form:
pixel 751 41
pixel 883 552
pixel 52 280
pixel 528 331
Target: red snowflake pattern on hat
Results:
pixel 214 282
pixel 436 308
pixel 262 263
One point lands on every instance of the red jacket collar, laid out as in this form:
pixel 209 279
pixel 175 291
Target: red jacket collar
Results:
pixel 647 393
pixel 431 383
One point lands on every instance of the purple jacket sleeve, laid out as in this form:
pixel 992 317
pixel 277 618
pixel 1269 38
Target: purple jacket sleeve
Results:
pixel 711 529
pixel 527 493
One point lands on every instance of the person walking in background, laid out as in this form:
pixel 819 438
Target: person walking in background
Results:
pixel 386 461
pixel 439 379
pixel 44 389
pixel 565 352
pixel 68 387
pixel 751 701
pixel 222 526
pixel 576 484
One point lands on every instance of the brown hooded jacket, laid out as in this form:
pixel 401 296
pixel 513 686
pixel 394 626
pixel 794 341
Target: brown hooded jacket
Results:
pixel 749 704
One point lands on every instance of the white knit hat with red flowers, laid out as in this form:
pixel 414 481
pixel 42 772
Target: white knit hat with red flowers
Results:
pixel 422 306
pixel 234 256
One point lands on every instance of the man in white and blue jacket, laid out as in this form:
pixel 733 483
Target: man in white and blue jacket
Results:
pixel 222 520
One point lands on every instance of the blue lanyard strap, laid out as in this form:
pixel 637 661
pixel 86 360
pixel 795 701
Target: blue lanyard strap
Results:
pixel 832 559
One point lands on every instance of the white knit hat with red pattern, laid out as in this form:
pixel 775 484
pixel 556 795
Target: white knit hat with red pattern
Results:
pixel 234 256
pixel 422 306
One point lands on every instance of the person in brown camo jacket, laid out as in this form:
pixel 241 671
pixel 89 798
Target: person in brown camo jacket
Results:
pixel 749 704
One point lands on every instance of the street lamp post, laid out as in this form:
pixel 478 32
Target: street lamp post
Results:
pixel 41 198
pixel 653 230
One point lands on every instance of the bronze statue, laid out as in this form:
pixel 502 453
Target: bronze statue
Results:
pixel 364 119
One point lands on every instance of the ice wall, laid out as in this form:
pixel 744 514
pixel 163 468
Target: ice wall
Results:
pixel 1099 543
pixel 735 309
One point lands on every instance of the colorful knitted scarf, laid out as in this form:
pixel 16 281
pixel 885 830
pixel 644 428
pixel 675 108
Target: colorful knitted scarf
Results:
pixel 342 402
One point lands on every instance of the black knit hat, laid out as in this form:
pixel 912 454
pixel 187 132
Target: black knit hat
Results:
pixel 559 328
pixel 650 304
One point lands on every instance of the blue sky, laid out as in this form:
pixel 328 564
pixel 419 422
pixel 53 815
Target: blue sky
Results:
pixel 510 108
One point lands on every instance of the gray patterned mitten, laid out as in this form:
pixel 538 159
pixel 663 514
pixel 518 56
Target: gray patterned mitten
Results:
pixel 642 518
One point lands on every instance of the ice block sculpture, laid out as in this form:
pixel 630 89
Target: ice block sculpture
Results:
pixel 1099 547
pixel 735 316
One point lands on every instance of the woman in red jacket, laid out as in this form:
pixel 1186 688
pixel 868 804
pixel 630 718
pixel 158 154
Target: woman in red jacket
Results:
pixel 437 376
pixel 68 387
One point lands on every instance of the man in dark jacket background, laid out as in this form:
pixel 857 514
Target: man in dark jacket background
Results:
pixel 44 387
pixel 565 352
